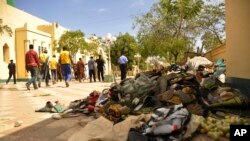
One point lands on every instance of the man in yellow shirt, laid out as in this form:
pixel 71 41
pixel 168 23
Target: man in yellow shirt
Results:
pixel 44 70
pixel 66 60
pixel 53 66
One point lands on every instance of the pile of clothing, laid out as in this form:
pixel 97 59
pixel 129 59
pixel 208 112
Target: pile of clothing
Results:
pixel 170 99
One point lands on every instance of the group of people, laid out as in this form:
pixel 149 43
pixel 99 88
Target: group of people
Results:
pixel 96 66
pixel 42 67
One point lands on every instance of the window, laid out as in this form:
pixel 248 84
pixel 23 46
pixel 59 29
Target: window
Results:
pixel 6 53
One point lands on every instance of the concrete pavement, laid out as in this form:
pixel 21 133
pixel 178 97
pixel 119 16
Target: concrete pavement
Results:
pixel 19 104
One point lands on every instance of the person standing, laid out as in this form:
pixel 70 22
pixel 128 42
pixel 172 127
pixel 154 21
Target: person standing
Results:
pixel 91 66
pixel 44 70
pixel 123 66
pixel 32 64
pixel 100 68
pixel 80 69
pixel 12 71
pixel 53 66
pixel 59 72
pixel 66 60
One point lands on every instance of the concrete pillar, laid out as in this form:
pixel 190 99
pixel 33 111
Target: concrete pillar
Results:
pixel 238 44
pixel 35 44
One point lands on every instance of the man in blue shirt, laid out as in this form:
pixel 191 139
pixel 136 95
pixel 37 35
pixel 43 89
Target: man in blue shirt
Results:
pixel 91 66
pixel 123 66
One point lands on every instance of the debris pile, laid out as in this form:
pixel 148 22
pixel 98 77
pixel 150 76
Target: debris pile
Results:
pixel 170 99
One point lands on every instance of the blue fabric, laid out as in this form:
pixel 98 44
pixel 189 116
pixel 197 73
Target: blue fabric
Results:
pixel 91 64
pixel 66 71
pixel 220 67
pixel 53 75
pixel 34 73
pixel 220 63
pixel 123 59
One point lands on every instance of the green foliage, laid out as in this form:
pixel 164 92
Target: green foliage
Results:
pixel 209 40
pixel 94 43
pixel 172 26
pixel 127 44
pixel 74 41
pixel 211 22
pixel 176 47
pixel 167 29
pixel 5 29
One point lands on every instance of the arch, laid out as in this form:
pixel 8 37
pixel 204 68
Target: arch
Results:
pixel 6 53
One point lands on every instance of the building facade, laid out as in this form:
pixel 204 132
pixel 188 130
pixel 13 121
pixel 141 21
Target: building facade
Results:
pixel 27 29
pixel 217 53
pixel 237 42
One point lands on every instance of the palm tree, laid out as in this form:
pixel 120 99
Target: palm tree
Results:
pixel 5 28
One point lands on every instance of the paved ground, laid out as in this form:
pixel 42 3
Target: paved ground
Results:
pixel 18 104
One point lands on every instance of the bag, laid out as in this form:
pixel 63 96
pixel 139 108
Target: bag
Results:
pixel 167 120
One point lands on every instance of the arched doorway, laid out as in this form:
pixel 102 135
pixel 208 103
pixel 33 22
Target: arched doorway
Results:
pixel 6 53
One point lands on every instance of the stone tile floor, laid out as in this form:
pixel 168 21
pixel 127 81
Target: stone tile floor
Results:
pixel 17 103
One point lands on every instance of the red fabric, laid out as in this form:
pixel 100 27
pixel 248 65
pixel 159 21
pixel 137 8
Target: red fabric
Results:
pixel 92 100
pixel 80 69
pixel 175 127
pixel 31 58
pixel 91 108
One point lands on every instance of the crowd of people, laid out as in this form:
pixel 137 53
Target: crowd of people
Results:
pixel 45 68
pixel 42 67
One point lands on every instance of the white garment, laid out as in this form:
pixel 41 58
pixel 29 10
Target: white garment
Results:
pixel 222 78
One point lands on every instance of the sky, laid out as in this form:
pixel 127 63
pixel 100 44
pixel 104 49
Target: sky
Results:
pixel 90 16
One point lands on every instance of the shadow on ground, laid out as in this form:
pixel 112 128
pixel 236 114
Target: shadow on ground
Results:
pixel 47 130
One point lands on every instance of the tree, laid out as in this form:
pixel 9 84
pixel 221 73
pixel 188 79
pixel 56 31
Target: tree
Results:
pixel 124 43
pixel 211 22
pixel 5 29
pixel 168 27
pixel 74 41
pixel 94 43
pixel 209 41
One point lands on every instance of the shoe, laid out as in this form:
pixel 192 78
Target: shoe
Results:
pixel 67 84
pixel 28 86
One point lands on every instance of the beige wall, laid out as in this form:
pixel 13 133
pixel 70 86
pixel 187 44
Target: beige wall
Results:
pixel 27 29
pixel 21 47
pixel 217 53
pixel 238 38
pixel 24 37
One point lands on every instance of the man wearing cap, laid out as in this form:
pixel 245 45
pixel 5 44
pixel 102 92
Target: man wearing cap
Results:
pixel 12 71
